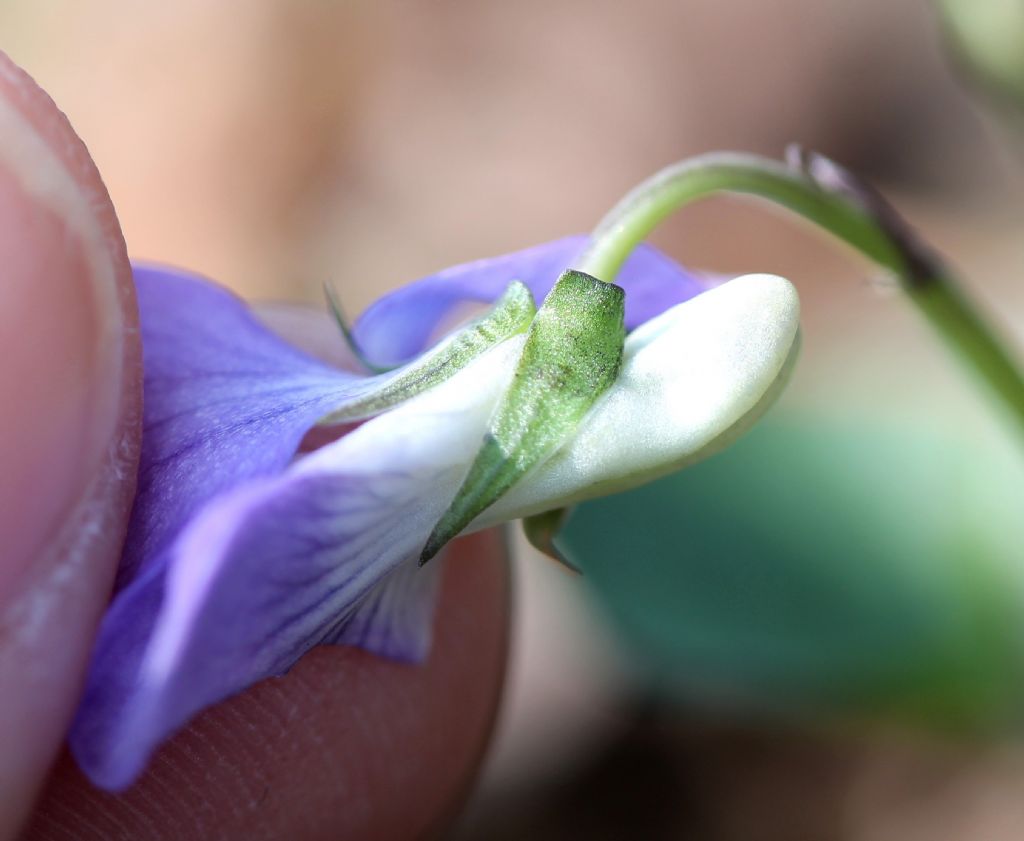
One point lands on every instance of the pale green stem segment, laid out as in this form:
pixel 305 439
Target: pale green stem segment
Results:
pixel 987 36
pixel 571 356
pixel 334 304
pixel 510 316
pixel 823 193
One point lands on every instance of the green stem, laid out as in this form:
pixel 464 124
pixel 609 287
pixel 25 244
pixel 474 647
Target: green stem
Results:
pixel 831 198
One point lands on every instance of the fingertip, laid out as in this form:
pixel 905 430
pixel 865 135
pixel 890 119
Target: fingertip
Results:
pixel 346 745
pixel 71 378
pixel 71 383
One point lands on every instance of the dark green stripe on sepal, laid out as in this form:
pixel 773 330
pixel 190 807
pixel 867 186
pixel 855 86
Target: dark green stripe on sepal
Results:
pixel 571 356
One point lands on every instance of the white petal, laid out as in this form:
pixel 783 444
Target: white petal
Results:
pixel 690 376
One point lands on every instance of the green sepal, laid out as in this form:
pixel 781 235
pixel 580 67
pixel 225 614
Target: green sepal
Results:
pixel 334 305
pixel 571 356
pixel 510 316
pixel 542 529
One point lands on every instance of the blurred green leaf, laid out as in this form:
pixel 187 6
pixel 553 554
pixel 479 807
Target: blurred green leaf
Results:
pixel 823 567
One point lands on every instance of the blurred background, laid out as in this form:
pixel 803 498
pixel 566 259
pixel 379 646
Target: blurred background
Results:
pixel 814 635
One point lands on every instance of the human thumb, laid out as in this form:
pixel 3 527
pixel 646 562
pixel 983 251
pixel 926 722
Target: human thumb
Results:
pixel 70 386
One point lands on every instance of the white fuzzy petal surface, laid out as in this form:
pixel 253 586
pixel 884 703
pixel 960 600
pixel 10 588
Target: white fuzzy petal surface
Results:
pixel 688 377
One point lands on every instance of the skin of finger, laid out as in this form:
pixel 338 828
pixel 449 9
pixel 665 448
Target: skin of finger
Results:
pixel 69 345
pixel 346 745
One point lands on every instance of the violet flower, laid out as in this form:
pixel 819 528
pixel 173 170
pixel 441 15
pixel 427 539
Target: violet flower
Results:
pixel 242 554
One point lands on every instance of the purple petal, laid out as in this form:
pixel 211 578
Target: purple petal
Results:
pixel 402 324
pixel 394 619
pixel 225 401
pixel 325 552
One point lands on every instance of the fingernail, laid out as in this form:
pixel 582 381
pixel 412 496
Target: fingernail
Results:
pixel 61 344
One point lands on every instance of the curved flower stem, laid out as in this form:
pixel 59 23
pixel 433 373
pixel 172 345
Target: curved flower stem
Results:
pixel 823 193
